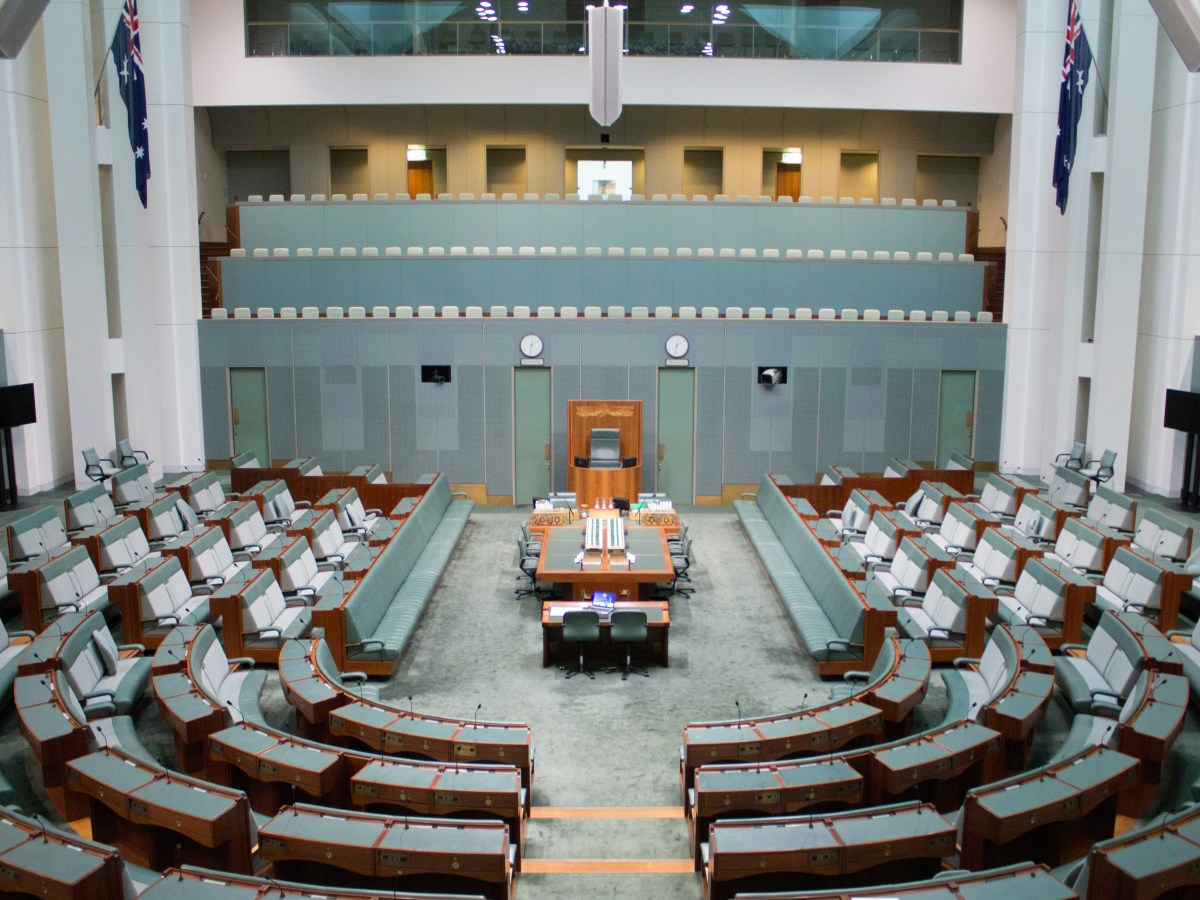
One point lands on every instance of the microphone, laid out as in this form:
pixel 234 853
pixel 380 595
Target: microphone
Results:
pixel 275 884
pixel 803 700
pixel 411 714
pixel 42 823
pixel 478 706
pixel 739 712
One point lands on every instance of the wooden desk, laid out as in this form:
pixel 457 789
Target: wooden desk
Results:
pixel 1150 731
pixel 1145 863
pixel 908 838
pixel 151 811
pixel 1048 815
pixel 807 732
pixel 658 624
pixel 589 484
pixel 337 711
pixel 767 790
pixel 53 733
pixel 652 566
pixel 190 716
pixel 389 851
pixel 43 861
pixel 275 767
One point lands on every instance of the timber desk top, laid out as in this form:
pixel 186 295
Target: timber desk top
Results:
pixel 392 846
pixel 44 861
pixel 652 560
pixel 829 844
pixel 821 729
pixel 333 709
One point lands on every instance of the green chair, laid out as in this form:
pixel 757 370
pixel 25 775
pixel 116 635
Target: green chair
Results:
pixel 580 626
pixel 628 627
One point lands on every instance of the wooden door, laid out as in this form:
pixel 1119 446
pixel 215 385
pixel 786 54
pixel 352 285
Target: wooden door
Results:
pixel 420 177
pixel 787 180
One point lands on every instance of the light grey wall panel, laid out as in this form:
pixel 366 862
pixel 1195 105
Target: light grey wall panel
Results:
pixel 348 392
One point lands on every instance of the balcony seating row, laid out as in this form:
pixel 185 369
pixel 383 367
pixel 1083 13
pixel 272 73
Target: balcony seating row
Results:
pixel 530 197
pixel 437 250
pixel 244 313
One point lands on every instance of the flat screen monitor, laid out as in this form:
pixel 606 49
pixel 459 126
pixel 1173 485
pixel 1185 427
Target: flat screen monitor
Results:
pixel 621 504
pixel 17 406
pixel 582 462
pixel 628 462
pixel 1182 412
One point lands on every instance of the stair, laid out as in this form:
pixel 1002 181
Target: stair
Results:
pixel 210 274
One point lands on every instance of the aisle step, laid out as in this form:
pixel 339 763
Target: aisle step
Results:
pixel 606 812
pixel 607 866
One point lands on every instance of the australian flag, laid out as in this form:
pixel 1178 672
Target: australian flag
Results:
pixel 127 55
pixel 1077 64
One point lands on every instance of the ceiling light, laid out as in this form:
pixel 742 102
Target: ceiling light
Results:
pixel 686 8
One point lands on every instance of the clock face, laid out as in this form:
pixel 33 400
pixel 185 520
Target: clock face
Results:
pixel 677 346
pixel 531 346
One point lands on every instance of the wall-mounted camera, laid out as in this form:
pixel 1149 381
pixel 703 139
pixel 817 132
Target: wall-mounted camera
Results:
pixel 769 376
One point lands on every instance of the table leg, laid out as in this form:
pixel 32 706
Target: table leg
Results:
pixel 666 632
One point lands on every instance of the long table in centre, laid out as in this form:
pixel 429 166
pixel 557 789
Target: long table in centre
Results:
pixel 651 562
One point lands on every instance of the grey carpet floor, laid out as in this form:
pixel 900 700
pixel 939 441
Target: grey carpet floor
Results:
pixel 607 742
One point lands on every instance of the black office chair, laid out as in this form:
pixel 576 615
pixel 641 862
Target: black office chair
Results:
pixel 628 627
pixel 533 543
pixel 681 561
pixel 528 563
pixel 580 626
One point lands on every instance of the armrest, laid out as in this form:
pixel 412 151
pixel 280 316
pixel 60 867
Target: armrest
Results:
pixel 166 620
pixel 1064 648
pixel 1105 708
pixel 104 710
pixel 268 632
pixel 749 495
pixel 302 504
pixel 856 675
pixel 298 599
pixel 830 513
pixel 92 695
pixel 1004 590
pixel 27 635
pixel 460 495
pixel 839 644
pixel 354 676
pixel 910 600
pixel 243 554
pixel 379 512
pixel 242 661
pixel 140 648
pixel 1116 698
pixel 1038 620
pixel 882 565
pixel 1139 608
pixel 966 662
pixel 938 631
pixel 368 646
pixel 990 581
pixel 1172 634
pixel 277 527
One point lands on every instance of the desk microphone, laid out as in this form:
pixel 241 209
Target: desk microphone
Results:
pixel 42 822
pixel 411 714
pixel 478 706
pixel 739 713
pixel 803 700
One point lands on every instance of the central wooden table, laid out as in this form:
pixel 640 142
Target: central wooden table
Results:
pixel 658 624
pixel 651 565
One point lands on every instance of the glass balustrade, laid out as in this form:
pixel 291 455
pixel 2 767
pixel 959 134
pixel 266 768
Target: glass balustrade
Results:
pixel 895 31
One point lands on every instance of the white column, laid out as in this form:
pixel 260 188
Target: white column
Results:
pixel 1036 269
pixel 1170 289
pixel 158 260
pixel 1119 281
pixel 31 314
pixel 75 159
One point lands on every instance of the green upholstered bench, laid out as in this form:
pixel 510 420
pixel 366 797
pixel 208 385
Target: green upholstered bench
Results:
pixel 369 628
pixel 840 628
